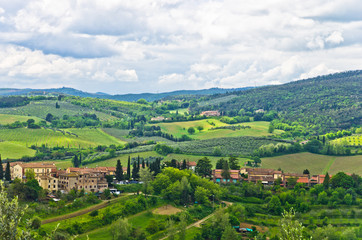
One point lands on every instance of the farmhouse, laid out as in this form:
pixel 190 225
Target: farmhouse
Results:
pixel 158 119
pixel 40 169
pixel 210 113
pixel 90 182
pixel 235 176
pixel 191 165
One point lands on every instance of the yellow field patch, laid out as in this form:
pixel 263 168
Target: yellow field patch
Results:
pixel 167 210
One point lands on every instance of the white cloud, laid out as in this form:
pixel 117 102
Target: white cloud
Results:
pixel 335 38
pixel 137 46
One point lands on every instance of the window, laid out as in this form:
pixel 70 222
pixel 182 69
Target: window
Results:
pixel 48 186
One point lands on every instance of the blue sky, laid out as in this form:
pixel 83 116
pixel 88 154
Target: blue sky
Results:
pixel 155 46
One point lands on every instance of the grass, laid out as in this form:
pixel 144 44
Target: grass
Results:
pixel 167 210
pixel 315 163
pixel 11 150
pixel 16 141
pixel 9 118
pixel 181 111
pixel 41 108
pixel 124 158
pixel 180 128
pixel 86 137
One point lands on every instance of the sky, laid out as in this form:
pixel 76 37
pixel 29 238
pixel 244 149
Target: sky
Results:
pixel 130 46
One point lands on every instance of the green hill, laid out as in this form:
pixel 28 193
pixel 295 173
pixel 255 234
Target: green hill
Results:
pixel 325 103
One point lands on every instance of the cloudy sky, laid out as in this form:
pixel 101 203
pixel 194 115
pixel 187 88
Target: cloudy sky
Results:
pixel 154 46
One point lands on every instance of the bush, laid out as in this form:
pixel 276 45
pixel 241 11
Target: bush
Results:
pixel 35 223
pixel 94 213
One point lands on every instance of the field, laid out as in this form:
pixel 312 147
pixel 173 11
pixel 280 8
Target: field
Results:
pixel 8 119
pixel 122 135
pixel 181 111
pixel 315 163
pixel 355 140
pixel 166 210
pixel 239 146
pixel 124 158
pixel 178 129
pixel 41 108
pixel 24 137
pixel 14 150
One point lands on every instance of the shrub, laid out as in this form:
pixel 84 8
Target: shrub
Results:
pixel 94 213
pixel 35 223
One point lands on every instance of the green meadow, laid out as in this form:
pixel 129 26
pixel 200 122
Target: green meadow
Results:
pixel 178 129
pixel 15 142
pixel 12 150
pixel 315 163
pixel 41 108
pixel 9 118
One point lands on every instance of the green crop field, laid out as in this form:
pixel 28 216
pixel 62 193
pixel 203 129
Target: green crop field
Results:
pixel 180 111
pixel 25 137
pixel 42 108
pixel 354 140
pixel 124 158
pixel 13 150
pixel 180 128
pixel 9 118
pixel 315 163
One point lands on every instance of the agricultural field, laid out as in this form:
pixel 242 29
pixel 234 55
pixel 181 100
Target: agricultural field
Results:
pixel 178 129
pixel 11 150
pixel 354 140
pixel 123 135
pixel 124 158
pixel 238 146
pixel 26 137
pixel 41 108
pixel 181 111
pixel 9 118
pixel 315 163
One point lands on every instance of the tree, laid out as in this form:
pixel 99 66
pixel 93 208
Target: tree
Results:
pixel 341 180
pixel 201 195
pixel 217 151
pixel 134 171
pixel 271 128
pixel 121 229
pixel 129 168
pixel 143 163
pixel 29 174
pixel 305 171
pixel 171 230
pixel 290 229
pixel 204 167
pixel 184 165
pixel 225 170
pixel 1 170
pixel 119 171
pixel 275 206
pixel 229 234
pixel 200 128
pixel 326 181
pixel 49 117
pixel 11 214
pixel 220 163
pixel 146 177
pixel 182 227
pixel 191 130
pixel 7 172
pixel 233 163
pixel 185 189
pixel 75 161
pixel 57 105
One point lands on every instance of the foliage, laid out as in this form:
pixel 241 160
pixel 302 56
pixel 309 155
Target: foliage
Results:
pixel 291 229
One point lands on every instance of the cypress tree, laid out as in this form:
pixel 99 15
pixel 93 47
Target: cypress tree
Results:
pixel 326 181
pixel 7 172
pixel 184 165
pixel 143 164
pixel 119 171
pixel 129 168
pixel 1 169
pixel 134 170
pixel 75 161
pixel 147 164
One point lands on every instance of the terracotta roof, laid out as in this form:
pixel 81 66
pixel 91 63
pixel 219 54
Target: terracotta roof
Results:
pixel 192 164
pixel 37 165
pixel 303 180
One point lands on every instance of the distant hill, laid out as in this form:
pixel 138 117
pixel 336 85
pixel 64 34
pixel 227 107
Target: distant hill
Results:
pixel 122 97
pixel 324 103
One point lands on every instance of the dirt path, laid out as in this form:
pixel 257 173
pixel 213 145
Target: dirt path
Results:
pixel 198 223
pixel 84 211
